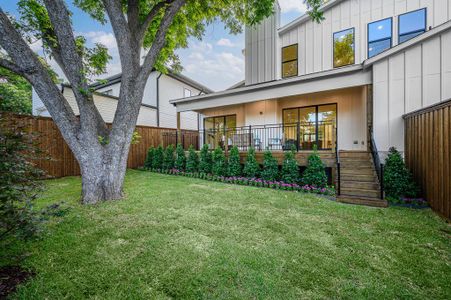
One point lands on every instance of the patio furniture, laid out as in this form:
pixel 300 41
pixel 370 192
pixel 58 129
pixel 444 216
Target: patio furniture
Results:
pixel 274 143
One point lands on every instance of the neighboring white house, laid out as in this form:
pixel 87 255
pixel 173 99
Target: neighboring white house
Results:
pixel 338 84
pixel 155 109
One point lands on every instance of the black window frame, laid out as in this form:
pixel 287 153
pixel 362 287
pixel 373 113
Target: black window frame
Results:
pixel 422 30
pixel 333 47
pixel 288 61
pixel 368 36
pixel 316 120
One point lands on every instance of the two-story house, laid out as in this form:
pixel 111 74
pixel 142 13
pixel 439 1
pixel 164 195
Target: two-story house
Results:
pixel 155 108
pixel 341 85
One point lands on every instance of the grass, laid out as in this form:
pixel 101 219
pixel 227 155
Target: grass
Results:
pixel 178 237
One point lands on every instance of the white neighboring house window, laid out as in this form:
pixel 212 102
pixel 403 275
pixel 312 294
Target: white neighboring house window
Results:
pixel 108 92
pixel 187 93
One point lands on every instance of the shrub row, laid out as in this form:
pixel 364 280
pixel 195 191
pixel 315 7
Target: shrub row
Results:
pixel 257 182
pixel 215 163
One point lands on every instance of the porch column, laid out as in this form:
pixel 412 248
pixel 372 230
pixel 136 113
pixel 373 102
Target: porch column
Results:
pixel 179 132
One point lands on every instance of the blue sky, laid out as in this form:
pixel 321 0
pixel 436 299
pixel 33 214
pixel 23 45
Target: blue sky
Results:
pixel 216 61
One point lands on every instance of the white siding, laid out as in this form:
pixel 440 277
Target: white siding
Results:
pixel 260 53
pixel 415 78
pixel 107 108
pixel 315 40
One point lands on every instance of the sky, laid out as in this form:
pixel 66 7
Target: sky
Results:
pixel 216 61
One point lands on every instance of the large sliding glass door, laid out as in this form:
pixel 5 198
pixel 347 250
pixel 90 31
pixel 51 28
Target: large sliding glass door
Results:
pixel 218 130
pixel 312 125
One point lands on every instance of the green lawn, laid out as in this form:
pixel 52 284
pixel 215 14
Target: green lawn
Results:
pixel 178 237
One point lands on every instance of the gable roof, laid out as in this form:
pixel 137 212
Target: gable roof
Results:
pixel 182 78
pixel 306 17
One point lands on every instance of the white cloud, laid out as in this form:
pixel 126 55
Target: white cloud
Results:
pixel 225 43
pixel 217 70
pixel 292 5
pixel 105 38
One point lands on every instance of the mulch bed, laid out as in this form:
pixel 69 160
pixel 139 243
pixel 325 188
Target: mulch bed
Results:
pixel 10 278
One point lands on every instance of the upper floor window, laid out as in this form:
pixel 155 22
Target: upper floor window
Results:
pixel 186 93
pixel 290 61
pixel 379 36
pixel 344 48
pixel 411 24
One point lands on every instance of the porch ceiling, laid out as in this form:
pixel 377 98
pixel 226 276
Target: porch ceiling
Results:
pixel 345 77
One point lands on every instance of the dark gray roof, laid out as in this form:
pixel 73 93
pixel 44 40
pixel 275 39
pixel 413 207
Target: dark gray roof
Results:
pixel 182 78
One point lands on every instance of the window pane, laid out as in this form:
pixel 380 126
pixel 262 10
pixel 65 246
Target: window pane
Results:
pixel 187 93
pixel 327 115
pixel 290 116
pixel 412 24
pixel 290 69
pixel 290 53
pixel 379 36
pixel 307 119
pixel 344 48
pixel 209 132
pixel 231 121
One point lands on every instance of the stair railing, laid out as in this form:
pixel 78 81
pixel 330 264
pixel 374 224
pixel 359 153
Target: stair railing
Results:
pixel 337 157
pixel 377 162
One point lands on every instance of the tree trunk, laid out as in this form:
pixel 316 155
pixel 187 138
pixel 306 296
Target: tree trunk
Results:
pixel 102 178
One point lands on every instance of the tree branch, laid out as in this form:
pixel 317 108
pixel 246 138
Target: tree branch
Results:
pixel 9 65
pixel 23 57
pixel 72 63
pixel 160 38
pixel 150 16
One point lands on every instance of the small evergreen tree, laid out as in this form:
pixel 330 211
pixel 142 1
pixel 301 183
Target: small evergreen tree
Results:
pixel 219 162
pixel 234 165
pixel 398 180
pixel 149 158
pixel 205 160
pixel 315 173
pixel 180 160
pixel 192 163
pixel 168 161
pixel 157 161
pixel 270 167
pixel 251 167
pixel 290 169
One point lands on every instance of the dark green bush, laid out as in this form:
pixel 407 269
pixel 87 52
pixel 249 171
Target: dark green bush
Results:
pixel 149 158
pixel 234 165
pixel 290 169
pixel 270 167
pixel 180 159
pixel 192 162
pixel 157 161
pixel 219 162
pixel 315 173
pixel 19 182
pixel 251 167
pixel 398 181
pixel 205 160
pixel 168 161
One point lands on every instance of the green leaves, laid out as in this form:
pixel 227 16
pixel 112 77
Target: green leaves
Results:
pixel 251 167
pixel 315 173
pixel 15 93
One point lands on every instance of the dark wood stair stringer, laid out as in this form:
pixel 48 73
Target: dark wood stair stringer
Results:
pixel 359 183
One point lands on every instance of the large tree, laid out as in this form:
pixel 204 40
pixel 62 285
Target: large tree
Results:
pixel 157 26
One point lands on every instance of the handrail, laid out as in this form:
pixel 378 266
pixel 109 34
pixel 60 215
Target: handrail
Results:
pixel 337 158
pixel 377 163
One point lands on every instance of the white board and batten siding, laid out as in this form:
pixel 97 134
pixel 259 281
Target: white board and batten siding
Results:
pixel 417 77
pixel 315 41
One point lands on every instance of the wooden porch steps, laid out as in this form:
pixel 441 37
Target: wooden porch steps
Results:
pixel 359 183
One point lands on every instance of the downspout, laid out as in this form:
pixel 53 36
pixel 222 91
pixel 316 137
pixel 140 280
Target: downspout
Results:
pixel 158 99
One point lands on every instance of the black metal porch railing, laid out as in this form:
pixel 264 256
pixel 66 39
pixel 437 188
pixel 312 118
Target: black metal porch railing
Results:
pixel 377 162
pixel 274 137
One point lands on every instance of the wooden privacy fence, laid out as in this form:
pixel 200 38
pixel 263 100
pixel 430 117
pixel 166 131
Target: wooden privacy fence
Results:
pixel 428 153
pixel 63 163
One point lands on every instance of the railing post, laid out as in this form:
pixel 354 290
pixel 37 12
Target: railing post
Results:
pixel 204 141
pixel 382 181
pixel 250 136
pixel 176 137
pixel 298 135
pixel 338 180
